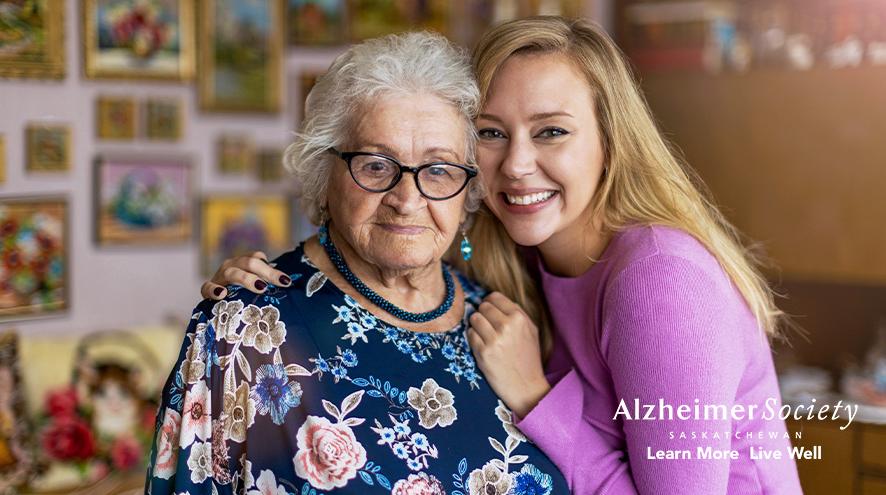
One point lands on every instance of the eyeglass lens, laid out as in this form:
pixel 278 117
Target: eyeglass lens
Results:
pixel 379 174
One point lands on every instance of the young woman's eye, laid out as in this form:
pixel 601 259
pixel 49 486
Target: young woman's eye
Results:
pixel 490 134
pixel 552 132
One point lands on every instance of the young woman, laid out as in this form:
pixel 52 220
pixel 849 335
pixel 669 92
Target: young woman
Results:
pixel 654 373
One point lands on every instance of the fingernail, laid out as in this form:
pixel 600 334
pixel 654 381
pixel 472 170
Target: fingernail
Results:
pixel 284 280
pixel 260 285
pixel 218 291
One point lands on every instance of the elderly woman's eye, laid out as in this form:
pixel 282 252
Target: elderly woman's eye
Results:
pixel 376 168
pixel 552 132
pixel 438 172
pixel 490 134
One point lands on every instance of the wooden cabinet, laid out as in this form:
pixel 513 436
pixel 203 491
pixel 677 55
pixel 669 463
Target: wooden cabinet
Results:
pixel 796 159
pixel 853 460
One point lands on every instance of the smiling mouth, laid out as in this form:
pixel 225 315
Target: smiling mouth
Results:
pixel 528 199
pixel 403 229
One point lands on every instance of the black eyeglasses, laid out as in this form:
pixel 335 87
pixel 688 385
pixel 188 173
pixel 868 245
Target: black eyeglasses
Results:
pixel 376 172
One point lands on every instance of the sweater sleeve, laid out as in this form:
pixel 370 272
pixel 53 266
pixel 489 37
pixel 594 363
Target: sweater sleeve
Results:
pixel 558 426
pixel 665 337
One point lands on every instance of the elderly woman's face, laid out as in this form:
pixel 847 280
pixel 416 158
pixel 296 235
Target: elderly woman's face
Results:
pixel 400 229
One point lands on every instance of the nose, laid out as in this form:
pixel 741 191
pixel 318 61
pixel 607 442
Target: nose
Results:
pixel 519 160
pixel 405 197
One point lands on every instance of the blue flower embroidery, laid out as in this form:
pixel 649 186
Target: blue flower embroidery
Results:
pixel 349 358
pixel 531 481
pixel 274 393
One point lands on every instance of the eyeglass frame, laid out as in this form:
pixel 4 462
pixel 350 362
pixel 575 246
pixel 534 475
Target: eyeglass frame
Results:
pixel 347 156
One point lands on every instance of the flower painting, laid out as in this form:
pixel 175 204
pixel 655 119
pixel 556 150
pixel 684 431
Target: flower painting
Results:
pixel 143 201
pixel 33 256
pixel 151 39
pixel 32 39
pixel 235 225
pixel 241 47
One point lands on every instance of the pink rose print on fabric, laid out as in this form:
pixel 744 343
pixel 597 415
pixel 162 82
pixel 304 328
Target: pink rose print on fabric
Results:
pixel 419 484
pixel 329 454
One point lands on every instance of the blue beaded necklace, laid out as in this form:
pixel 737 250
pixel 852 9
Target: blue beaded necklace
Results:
pixel 365 291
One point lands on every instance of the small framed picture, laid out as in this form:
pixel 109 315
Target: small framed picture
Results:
pixel 34 243
pixel 32 38
pixel 138 39
pixel 236 154
pixel 241 54
pixel 115 117
pixel 269 165
pixel 317 22
pixel 48 148
pixel 235 225
pixel 306 82
pixel 163 119
pixel 143 200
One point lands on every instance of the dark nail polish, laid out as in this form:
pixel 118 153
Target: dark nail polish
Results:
pixel 218 291
pixel 284 280
pixel 260 285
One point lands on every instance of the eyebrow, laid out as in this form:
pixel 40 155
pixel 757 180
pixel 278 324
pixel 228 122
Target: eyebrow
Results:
pixel 533 117
pixel 387 150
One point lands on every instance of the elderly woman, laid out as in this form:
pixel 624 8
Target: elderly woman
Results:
pixel 356 377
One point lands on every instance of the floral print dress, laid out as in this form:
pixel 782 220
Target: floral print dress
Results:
pixel 301 390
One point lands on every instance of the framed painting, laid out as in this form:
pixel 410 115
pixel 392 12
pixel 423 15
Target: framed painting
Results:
pixel 269 165
pixel 48 147
pixel 236 225
pixel 16 457
pixel 143 200
pixel 138 39
pixel 316 22
pixel 163 119
pixel 373 18
pixel 34 244
pixel 241 50
pixel 115 118
pixel 32 39
pixel 306 82
pixel 236 154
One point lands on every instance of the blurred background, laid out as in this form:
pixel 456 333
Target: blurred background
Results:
pixel 140 145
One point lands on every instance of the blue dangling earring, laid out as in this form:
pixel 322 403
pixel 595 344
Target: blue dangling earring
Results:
pixel 466 248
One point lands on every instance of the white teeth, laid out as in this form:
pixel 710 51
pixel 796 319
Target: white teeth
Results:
pixel 529 199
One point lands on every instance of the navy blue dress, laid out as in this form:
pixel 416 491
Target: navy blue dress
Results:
pixel 301 390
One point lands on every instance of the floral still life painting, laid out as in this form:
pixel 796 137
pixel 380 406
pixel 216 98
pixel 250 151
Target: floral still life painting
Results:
pixel 33 256
pixel 135 39
pixel 143 201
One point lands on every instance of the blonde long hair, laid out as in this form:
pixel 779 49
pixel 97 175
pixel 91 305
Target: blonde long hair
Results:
pixel 645 183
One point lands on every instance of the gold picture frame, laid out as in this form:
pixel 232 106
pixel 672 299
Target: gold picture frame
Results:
pixel 164 120
pixel 48 147
pixel 48 217
pixel 34 47
pixel 245 86
pixel 139 57
pixel 115 118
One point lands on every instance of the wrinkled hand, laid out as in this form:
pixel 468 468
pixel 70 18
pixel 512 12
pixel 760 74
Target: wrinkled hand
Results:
pixel 252 272
pixel 506 346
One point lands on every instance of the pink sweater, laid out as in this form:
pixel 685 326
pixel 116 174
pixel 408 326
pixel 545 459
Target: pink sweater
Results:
pixel 657 320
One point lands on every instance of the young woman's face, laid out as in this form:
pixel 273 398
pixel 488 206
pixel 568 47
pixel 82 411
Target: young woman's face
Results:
pixel 540 150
